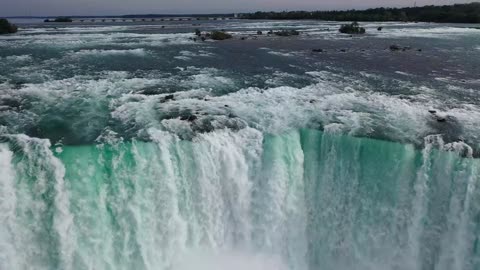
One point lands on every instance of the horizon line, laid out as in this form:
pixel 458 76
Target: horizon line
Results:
pixel 213 14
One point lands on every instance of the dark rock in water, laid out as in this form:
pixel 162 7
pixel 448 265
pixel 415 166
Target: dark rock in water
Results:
pixel 220 35
pixel 11 103
pixel 287 33
pixel 226 105
pixel 380 28
pixel 343 50
pixel 259 33
pixel 353 28
pixel 198 32
pixel 189 118
pixel 203 38
pixel 270 32
pixel 243 38
pixel 18 85
pixel 167 98
pixel 448 126
pixel 64 20
pixel 419 50
pixel 149 92
pixel 195 39
pixel 312 101
pixel 394 48
pixel 441 119
pixel 203 126
pixel 6 27
pixel 317 50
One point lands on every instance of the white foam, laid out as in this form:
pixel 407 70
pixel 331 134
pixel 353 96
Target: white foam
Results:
pixel 181 57
pixel 188 55
pixel 228 260
pixel 18 58
pixel 286 54
pixel 279 78
pixel 94 93
pixel 79 29
pixel 81 40
pixel 403 73
pixel 335 104
pixel 427 31
pixel 8 200
pixel 207 78
pixel 95 52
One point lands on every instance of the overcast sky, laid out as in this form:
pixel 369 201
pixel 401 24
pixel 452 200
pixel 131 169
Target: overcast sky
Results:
pixel 119 7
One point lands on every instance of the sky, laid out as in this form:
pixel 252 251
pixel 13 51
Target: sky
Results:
pixel 10 8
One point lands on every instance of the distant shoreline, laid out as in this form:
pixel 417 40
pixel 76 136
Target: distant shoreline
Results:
pixel 457 13
pixel 129 16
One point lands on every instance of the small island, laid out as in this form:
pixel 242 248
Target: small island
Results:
pixel 214 35
pixel 220 35
pixel 6 27
pixel 352 28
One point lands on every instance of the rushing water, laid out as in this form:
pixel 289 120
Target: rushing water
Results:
pixel 267 156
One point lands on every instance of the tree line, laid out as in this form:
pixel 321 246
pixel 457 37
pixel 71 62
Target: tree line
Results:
pixel 458 13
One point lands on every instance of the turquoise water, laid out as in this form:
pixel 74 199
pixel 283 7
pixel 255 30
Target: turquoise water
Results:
pixel 131 146
pixel 301 200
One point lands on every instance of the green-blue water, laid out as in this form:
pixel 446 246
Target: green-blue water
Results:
pixel 132 146
pixel 309 200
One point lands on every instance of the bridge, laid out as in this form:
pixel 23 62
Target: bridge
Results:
pixel 160 19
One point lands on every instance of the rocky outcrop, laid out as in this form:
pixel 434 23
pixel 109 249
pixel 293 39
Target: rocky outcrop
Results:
pixel 287 33
pixel 6 27
pixel 220 35
pixel 396 48
pixel 353 28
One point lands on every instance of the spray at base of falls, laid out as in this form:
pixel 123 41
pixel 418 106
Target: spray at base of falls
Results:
pixel 301 200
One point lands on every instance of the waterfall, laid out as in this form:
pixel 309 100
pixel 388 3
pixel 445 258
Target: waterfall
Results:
pixel 304 199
